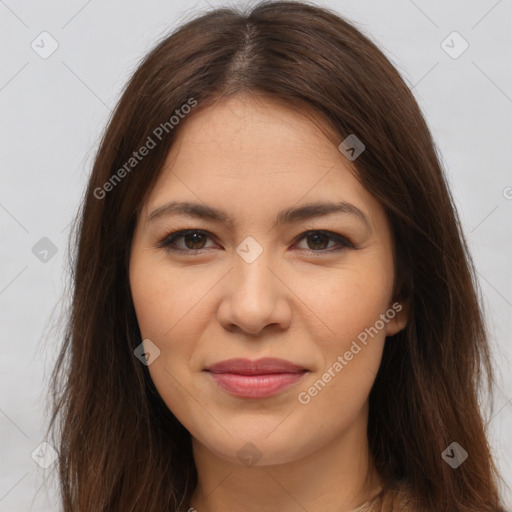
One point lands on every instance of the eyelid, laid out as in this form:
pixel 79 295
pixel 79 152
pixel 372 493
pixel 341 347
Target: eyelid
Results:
pixel 178 234
pixel 343 242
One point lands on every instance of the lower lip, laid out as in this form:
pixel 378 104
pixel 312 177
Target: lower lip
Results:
pixel 256 386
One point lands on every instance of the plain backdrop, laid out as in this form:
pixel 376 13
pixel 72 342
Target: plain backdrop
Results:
pixel 54 110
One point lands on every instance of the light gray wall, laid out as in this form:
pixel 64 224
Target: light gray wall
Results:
pixel 53 111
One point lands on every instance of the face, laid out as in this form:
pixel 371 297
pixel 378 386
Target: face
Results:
pixel 247 281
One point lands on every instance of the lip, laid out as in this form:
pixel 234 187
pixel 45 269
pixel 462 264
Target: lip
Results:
pixel 255 379
pixel 263 366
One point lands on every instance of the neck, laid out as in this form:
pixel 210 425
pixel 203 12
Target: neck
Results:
pixel 338 477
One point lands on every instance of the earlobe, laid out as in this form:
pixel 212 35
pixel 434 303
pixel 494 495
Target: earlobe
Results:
pixel 398 314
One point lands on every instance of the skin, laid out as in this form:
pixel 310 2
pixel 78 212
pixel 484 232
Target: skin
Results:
pixel 252 157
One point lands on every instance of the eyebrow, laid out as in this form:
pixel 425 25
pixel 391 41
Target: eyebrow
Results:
pixel 287 216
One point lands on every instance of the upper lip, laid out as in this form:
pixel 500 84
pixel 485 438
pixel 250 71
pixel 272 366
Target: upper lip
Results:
pixel 265 365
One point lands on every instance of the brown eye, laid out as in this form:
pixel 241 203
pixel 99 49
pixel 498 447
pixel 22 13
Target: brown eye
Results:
pixel 318 241
pixel 192 240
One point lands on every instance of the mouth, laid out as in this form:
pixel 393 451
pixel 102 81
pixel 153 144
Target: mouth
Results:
pixel 256 379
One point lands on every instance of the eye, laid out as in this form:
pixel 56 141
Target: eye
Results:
pixel 194 240
pixel 319 240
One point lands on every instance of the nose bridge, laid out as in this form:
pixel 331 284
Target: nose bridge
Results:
pixel 253 297
pixel 252 275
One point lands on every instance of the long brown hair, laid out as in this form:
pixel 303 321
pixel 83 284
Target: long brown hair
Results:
pixel 120 448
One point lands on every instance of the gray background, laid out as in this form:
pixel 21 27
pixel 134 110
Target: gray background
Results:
pixel 54 111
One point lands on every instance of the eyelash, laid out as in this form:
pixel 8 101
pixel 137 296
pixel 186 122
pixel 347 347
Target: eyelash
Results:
pixel 167 241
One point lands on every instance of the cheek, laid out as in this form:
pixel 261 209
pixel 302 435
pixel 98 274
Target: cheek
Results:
pixel 349 300
pixel 352 344
pixel 151 297
pixel 350 359
pixel 163 311
pixel 164 298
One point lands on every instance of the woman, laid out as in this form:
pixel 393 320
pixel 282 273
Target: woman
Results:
pixel 274 306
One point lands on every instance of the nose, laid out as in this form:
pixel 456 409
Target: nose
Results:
pixel 255 297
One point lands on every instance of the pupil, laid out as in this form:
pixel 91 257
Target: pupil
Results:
pixel 316 238
pixel 196 239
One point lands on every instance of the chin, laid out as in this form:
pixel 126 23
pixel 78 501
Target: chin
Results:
pixel 256 447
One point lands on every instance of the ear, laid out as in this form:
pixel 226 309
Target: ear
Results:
pixel 398 314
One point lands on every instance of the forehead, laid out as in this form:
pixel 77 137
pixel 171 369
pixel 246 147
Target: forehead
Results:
pixel 260 126
pixel 259 155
